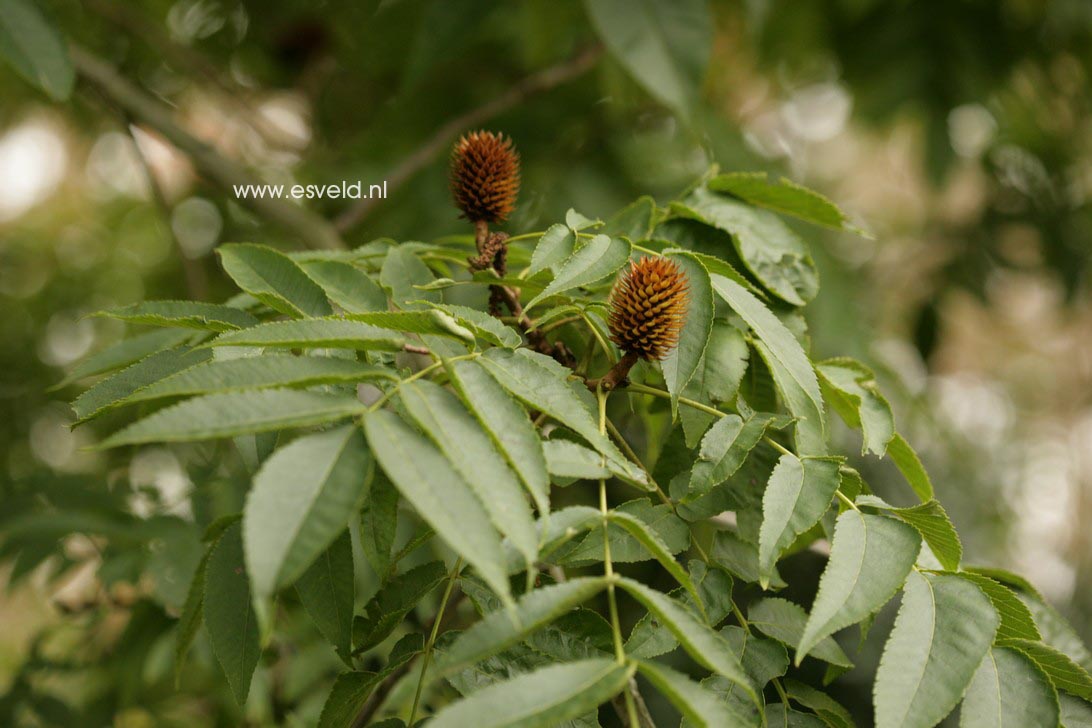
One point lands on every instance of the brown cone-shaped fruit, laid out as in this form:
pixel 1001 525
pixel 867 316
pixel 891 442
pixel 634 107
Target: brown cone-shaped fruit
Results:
pixel 485 176
pixel 648 307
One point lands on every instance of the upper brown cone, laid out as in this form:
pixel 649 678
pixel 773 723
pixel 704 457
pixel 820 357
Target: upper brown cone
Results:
pixel 648 307
pixel 485 176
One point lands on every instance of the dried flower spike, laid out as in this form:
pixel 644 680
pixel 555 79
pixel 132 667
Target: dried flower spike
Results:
pixel 485 176
pixel 648 308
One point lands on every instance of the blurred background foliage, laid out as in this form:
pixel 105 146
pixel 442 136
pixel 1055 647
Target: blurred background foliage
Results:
pixel 957 131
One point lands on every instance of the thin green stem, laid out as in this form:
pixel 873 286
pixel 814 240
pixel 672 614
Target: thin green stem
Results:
pixel 845 499
pixel 633 456
pixel 599 337
pixel 417 375
pixel 432 636
pixel 776 445
pixel 559 323
pixel 643 249
pixel 664 394
pixel 526 236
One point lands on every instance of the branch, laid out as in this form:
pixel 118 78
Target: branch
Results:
pixel 313 229
pixel 534 84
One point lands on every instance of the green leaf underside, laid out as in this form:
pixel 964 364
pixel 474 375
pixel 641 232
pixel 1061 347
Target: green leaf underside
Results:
pixel 1017 621
pixel 684 359
pixel 35 49
pixel 798 494
pixel 501 629
pixel 469 449
pixel 703 644
pixel 541 383
pixel 699 706
pixel 429 482
pixel 326 333
pixel 508 424
pixel 784 621
pixel 300 503
pixel 784 196
pixel 185 314
pixel 1009 691
pixel 125 352
pixel 598 258
pixel 326 591
pixel 659 550
pixel 237 413
pixel 931 521
pixel 624 547
pixel 787 361
pixel 827 708
pixel 568 459
pixel 192 615
pixel 648 640
pixel 484 326
pixel 229 617
pixel 261 372
pixel 870 557
pixel 555 245
pixel 908 463
pixel 274 279
pixel 429 321
pixel 944 628
pixel 539 699
pixel 347 697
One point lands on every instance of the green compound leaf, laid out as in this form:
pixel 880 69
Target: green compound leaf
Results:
pixel 909 464
pixel 501 629
pixel 427 321
pixel 598 258
pixel 1066 674
pixel 787 361
pixel 183 314
pixel 931 521
pixel 944 628
pixel 1009 691
pixel 229 616
pixel 684 359
pixel 274 279
pixel 798 494
pixel 469 449
pixel 555 245
pixel 301 502
pixel 508 424
pixel 327 591
pixel 429 481
pixel 723 449
pixel 237 413
pixel 784 621
pixel 119 388
pixel 870 557
pixel 327 333
pixel 543 698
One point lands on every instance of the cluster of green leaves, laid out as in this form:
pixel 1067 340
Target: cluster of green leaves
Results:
pixel 307 369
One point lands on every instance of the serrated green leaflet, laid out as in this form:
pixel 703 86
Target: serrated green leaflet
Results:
pixel 568 459
pixel 597 259
pixel 404 275
pixel 426 321
pixel 784 196
pixel 462 440
pixel 237 413
pixel 850 387
pixel 944 628
pixel 682 361
pixel 261 372
pixel 798 494
pixel 1066 674
pixel 909 464
pixel 500 629
pixel 784 621
pixel 555 245
pixel 124 353
pixel 508 424
pixel 831 711
pixel 723 449
pixel 327 333
pixel 389 606
pixel 300 502
pixel 274 279
pixel 787 361
pixel 931 521
pixel 540 699
pixel 699 640
pixel 1009 691
pixel 542 383
pixel 483 325
pixel 659 550
pixel 428 481
pixel 229 617
pixel 870 557
pixel 1017 621
pixel 184 314
pixel 116 389
pixel 326 591
pixel 699 706
pixel 346 285
pixel 634 221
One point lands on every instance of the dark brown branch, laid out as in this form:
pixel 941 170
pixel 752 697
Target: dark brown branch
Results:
pixel 314 230
pixel 618 376
pixel 531 85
